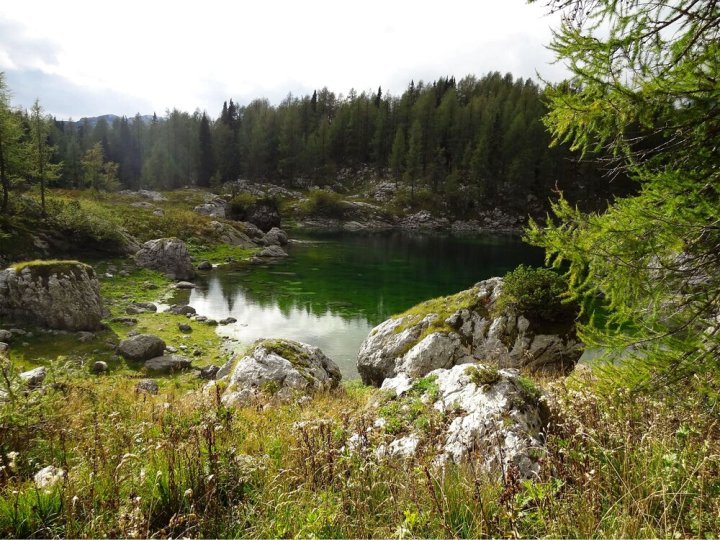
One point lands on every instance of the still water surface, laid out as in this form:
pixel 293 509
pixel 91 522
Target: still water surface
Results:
pixel 335 287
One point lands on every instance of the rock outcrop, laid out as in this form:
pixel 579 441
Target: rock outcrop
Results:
pixel 494 418
pixel 167 255
pixel 64 295
pixel 216 208
pixel 168 364
pixel 280 369
pixel 275 237
pixel 466 328
pixel 227 234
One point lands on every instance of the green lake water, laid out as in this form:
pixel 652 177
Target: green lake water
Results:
pixel 335 287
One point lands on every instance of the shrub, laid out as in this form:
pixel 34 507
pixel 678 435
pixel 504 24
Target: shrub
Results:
pixel 537 292
pixel 86 222
pixel 324 203
pixel 241 205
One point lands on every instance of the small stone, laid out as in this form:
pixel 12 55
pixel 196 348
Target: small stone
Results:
pixel 149 285
pixel 4 347
pixel 99 367
pixel 185 285
pixel 6 335
pixel 200 318
pixel 209 372
pixel 123 273
pixel 48 477
pixel 197 353
pixel 170 349
pixel 18 332
pixel 205 265
pixel 124 320
pixel 211 322
pixel 147 385
pixel 184 328
pixel 85 337
pixel 227 320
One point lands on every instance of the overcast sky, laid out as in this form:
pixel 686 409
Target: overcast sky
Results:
pixel 97 57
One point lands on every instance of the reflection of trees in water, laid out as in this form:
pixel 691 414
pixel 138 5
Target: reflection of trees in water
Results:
pixel 373 276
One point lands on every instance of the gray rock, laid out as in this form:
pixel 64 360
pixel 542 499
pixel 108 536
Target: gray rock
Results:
pixel 125 320
pixel 141 347
pixel 185 285
pixel 227 234
pixel 265 216
pixel 276 237
pixel 282 369
pixel 155 196
pixel 508 339
pixel 48 476
pixel 58 294
pixel 85 337
pixel 495 420
pixel 4 347
pixel 168 364
pixel 143 307
pixel 148 386
pixel 227 320
pixel 209 372
pixel 177 309
pixel 205 265
pixel 272 252
pixel 184 328
pixel 167 255
pixel 34 377
pixel 6 336
pixel 251 231
pixel 99 367
pixel 216 208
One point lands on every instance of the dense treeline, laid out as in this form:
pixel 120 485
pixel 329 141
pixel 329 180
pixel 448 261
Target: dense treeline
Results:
pixel 474 140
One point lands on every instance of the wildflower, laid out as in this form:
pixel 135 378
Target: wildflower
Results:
pixel 189 493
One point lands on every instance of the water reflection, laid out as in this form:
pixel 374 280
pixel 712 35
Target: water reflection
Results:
pixel 334 288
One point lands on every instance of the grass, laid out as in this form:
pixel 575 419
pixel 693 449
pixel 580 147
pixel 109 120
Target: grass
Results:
pixel 179 464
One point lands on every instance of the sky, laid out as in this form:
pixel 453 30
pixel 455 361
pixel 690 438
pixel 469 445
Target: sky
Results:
pixel 87 58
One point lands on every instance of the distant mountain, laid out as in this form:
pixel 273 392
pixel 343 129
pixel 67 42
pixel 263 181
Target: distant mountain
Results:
pixel 110 118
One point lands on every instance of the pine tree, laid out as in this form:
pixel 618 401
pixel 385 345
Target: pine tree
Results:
pixel 205 161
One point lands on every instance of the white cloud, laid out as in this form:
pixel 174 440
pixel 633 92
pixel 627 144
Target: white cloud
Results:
pixel 190 54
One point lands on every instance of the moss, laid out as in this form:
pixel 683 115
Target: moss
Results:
pixel 530 390
pixel 426 386
pixel 287 349
pixel 483 375
pixel 221 253
pixel 46 268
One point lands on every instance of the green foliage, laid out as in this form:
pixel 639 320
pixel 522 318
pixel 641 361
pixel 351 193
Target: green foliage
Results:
pixel 323 203
pixel 537 293
pixel 652 257
pixel 99 174
pixel 86 221
pixel 483 375
pixel 240 206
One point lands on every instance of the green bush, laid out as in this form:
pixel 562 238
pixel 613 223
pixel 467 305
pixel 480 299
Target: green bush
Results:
pixel 240 206
pixel 538 293
pixel 324 203
pixel 86 221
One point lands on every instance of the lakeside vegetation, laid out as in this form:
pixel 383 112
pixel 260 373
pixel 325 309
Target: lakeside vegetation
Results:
pixel 632 447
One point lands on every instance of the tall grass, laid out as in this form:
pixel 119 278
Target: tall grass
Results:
pixel 181 464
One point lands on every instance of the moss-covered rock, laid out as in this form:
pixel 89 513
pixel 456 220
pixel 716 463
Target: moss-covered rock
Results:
pixel 280 369
pixel 63 295
pixel 463 328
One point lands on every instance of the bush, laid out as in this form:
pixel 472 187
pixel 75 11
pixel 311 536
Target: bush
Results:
pixel 86 222
pixel 537 292
pixel 241 205
pixel 324 203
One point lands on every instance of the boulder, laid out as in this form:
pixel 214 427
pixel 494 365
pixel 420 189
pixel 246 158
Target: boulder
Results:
pixel 6 335
pixel 34 377
pixel 167 255
pixel 209 372
pixel 271 252
pixel 141 347
pixel 148 386
pixel 168 364
pixel 205 265
pixel 464 328
pixel 265 216
pixel 281 369
pixel 64 295
pixel 227 234
pixel 215 208
pixel 496 418
pixel 252 231
pixel 177 309
pixel 276 237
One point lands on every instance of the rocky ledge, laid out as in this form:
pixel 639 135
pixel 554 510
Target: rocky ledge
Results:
pixel 462 329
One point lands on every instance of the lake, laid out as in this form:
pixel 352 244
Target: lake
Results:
pixel 335 287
